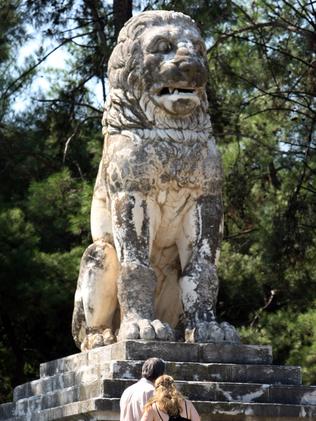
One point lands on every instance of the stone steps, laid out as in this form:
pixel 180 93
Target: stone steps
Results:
pixel 58 397
pixel 6 410
pixel 108 409
pixel 230 392
pixel 249 373
pixel 225 381
pixel 168 351
pixel 179 370
pixel 75 410
pixel 236 411
pixel 87 376
pixel 202 391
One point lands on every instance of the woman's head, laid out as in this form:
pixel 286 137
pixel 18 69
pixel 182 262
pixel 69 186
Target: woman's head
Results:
pixel 166 395
pixel 165 383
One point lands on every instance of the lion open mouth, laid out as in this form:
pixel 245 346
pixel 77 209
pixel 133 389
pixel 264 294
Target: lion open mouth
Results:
pixel 177 100
pixel 177 91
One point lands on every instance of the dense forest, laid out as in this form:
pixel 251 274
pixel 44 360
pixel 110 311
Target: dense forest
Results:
pixel 262 86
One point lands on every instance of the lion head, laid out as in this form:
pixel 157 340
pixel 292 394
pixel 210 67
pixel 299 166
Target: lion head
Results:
pixel 157 75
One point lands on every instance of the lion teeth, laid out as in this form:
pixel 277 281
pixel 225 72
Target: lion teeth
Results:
pixel 177 91
pixel 173 91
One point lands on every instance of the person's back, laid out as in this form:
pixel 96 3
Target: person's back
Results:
pixel 135 397
pixel 167 404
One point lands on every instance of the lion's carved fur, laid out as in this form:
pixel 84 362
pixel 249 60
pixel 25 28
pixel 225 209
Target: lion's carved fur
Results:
pixel 157 208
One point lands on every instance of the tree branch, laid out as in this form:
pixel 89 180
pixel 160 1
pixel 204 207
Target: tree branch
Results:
pixel 80 104
pixel 6 93
pixel 94 5
pixel 266 305
pixel 75 132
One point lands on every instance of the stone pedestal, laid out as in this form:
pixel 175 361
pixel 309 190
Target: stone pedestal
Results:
pixel 225 382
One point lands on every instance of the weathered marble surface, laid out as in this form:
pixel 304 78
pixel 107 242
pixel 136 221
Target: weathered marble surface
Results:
pixel 157 207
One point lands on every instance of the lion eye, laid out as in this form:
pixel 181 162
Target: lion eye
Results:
pixel 164 46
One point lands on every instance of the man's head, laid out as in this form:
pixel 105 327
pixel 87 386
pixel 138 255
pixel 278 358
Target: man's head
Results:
pixel 153 368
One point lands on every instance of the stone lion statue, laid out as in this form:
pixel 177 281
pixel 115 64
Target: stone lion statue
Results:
pixel 157 208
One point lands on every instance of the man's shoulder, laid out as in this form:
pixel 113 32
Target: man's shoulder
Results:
pixel 140 385
pixel 129 389
pixel 146 383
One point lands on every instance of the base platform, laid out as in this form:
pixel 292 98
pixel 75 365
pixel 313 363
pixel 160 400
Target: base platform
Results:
pixel 225 382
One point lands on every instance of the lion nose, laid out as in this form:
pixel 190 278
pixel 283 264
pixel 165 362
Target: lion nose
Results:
pixel 189 68
pixel 183 51
pixel 193 71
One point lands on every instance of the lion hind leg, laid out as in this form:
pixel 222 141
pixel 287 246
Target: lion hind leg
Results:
pixel 96 296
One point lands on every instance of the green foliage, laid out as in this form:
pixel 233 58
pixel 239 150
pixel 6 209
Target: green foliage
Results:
pixel 59 209
pixel 240 272
pixel 35 287
pixel 49 157
pixel 292 336
pixel 12 32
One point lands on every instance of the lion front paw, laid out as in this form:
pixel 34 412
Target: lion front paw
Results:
pixel 145 329
pixel 95 340
pixel 212 332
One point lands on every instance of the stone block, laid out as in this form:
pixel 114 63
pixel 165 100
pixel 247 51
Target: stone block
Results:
pixel 6 410
pixel 213 372
pixel 61 397
pixel 249 393
pixel 169 351
pixel 235 353
pixel 108 410
pixel 44 385
pixel 92 409
pixel 35 404
pixel 236 411
pixel 184 352
pixel 76 362
pixel 230 392
pixel 86 376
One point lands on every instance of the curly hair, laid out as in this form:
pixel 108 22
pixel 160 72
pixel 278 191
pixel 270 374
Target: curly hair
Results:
pixel 166 396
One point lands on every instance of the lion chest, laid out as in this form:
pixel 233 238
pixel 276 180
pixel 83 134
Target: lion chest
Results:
pixel 137 164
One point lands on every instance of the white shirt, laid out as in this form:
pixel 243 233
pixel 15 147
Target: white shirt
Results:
pixel 134 399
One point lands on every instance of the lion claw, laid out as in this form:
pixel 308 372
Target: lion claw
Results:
pixel 96 340
pixel 212 332
pixel 146 330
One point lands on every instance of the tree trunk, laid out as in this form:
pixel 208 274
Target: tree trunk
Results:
pixel 122 11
